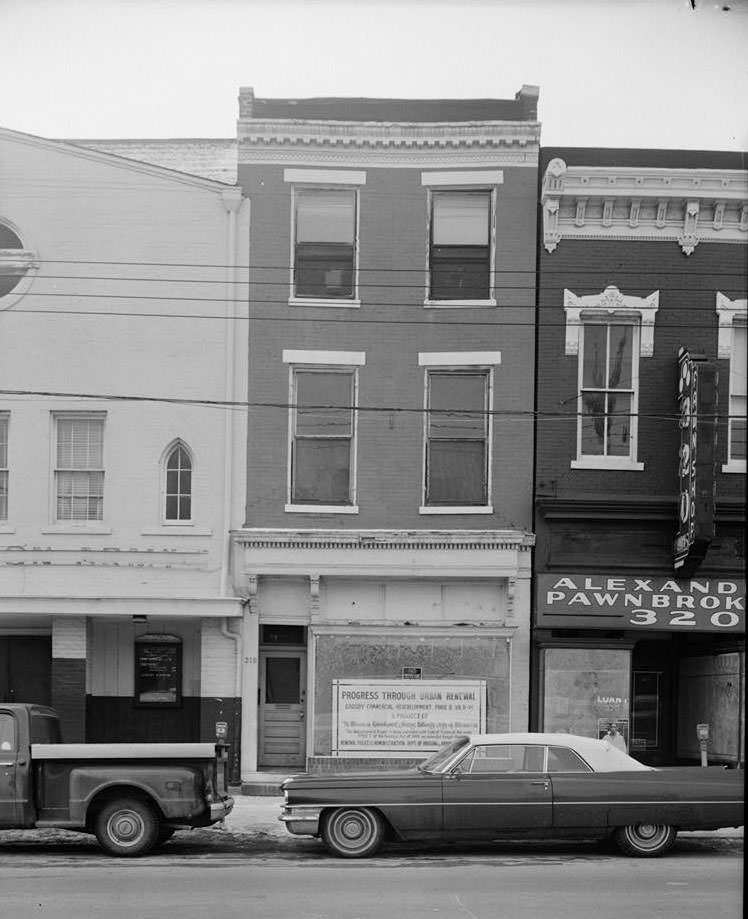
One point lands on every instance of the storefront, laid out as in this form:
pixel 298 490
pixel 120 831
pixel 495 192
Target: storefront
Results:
pixel 653 656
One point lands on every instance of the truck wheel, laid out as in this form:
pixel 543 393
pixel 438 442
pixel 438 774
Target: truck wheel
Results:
pixel 127 827
pixel 353 832
pixel 645 840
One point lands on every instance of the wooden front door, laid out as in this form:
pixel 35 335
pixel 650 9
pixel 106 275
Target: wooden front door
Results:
pixel 282 708
pixel 25 669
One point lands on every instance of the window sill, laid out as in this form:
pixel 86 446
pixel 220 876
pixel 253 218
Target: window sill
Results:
pixel 74 529
pixel 324 301
pixel 458 304
pixel 175 530
pixel 321 509
pixel 601 463
pixel 737 466
pixel 455 510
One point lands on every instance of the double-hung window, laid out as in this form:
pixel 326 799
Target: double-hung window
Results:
pixel 3 466
pixel 462 224
pixel 608 332
pixel 79 467
pixel 737 425
pixel 457 426
pixel 607 398
pixel 325 235
pixel 323 430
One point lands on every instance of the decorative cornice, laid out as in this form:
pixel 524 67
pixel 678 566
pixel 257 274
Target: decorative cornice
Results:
pixel 611 302
pixel 490 540
pixel 635 203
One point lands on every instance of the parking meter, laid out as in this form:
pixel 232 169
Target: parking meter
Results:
pixel 222 731
pixel 702 733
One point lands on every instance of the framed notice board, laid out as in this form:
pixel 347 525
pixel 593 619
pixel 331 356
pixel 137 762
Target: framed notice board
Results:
pixel 158 670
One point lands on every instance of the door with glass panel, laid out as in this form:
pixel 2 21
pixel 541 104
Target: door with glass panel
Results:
pixel 282 708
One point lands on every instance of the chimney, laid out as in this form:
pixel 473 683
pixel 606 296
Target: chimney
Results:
pixel 528 102
pixel 246 101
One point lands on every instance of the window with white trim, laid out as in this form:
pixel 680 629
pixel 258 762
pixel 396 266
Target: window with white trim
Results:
pixel 15 260
pixel 178 484
pixel 4 472
pixel 325 242
pixel 323 436
pixel 737 423
pixel 456 472
pixel 460 245
pixel 608 372
pixel 79 467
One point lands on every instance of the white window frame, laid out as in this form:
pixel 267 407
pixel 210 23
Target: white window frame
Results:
pixel 610 307
pixel 5 467
pixel 731 314
pixel 165 521
pixel 342 361
pixel 462 181
pixel 74 526
pixel 325 180
pixel 486 361
pixel 24 261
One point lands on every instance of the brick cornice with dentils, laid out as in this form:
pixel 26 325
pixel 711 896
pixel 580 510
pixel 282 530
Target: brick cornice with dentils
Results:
pixel 300 539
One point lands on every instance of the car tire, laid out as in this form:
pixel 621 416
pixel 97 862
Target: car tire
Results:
pixel 353 832
pixel 127 828
pixel 645 840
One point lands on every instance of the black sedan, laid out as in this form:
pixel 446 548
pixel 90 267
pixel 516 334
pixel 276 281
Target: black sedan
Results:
pixel 491 786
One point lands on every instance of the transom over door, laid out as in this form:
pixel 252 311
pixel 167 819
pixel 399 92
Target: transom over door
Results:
pixel 282 708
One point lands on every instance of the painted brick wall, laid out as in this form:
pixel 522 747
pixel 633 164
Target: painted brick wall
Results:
pixel 391 327
pixel 69 697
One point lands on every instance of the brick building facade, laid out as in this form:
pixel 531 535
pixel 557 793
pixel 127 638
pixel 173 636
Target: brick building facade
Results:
pixel 642 254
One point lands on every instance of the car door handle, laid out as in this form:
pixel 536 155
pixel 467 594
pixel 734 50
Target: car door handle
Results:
pixel 545 783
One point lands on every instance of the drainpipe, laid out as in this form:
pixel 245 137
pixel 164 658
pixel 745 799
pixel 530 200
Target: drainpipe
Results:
pixel 235 721
pixel 232 200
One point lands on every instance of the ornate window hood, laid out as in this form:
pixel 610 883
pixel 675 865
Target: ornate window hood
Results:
pixel 687 206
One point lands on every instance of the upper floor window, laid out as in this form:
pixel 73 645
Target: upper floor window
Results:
pixel 322 449
pixel 3 466
pixel 325 243
pixel 609 332
pixel 79 468
pixel 460 252
pixel 607 391
pixel 737 425
pixel 15 261
pixel 457 449
pixel 178 492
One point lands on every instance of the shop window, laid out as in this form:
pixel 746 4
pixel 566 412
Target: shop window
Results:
pixel 460 251
pixel 325 243
pixel 322 447
pixel 178 491
pixel 79 469
pixel 457 438
pixel 158 670
pixel 4 472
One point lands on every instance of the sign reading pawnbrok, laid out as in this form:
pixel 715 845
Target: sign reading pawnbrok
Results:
pixel 404 717
pixel 647 604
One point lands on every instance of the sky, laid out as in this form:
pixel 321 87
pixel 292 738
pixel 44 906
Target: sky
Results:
pixel 612 73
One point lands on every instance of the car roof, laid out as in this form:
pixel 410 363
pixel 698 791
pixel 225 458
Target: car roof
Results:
pixel 599 754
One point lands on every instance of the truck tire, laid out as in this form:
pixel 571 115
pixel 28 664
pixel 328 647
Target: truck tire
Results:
pixel 353 832
pixel 127 827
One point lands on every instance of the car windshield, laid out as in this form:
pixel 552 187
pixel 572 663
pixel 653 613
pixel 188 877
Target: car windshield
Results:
pixel 443 759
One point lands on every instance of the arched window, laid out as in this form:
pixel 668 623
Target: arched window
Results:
pixel 15 261
pixel 178 493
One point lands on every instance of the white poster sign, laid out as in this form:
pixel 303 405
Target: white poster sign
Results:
pixel 404 717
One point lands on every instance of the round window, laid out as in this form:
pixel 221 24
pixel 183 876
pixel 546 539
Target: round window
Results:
pixel 15 261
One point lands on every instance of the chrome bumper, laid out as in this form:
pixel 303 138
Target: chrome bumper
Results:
pixel 301 819
pixel 221 809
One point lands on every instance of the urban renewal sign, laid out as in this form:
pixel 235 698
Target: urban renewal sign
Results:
pixel 575 601
pixel 404 717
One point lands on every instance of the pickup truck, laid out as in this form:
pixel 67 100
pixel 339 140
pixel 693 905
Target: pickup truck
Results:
pixel 132 796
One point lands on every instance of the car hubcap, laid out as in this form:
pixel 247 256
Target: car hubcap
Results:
pixel 126 827
pixel 352 829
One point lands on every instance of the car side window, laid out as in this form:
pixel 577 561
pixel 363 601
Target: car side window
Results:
pixel 506 758
pixel 7 732
pixel 562 759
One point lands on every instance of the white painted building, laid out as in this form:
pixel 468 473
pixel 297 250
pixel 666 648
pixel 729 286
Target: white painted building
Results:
pixel 123 380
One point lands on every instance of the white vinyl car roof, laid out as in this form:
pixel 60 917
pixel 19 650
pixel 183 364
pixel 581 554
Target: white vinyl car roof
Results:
pixel 599 754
